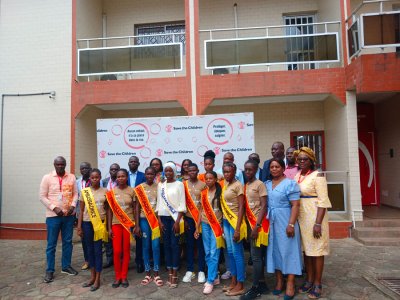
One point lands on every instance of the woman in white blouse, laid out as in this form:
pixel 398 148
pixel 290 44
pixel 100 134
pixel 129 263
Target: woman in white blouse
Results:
pixel 171 206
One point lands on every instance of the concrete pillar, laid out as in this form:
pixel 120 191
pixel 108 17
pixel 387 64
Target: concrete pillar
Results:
pixel 354 188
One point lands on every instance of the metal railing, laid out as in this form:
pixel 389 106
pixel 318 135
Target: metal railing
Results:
pixel 373 28
pixel 113 56
pixel 297 46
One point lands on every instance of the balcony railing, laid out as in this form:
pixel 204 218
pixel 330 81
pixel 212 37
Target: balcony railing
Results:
pixel 373 27
pixel 126 55
pixel 304 46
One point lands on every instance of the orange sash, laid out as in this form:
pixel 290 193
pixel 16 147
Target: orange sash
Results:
pixel 148 211
pixel 212 218
pixel 263 231
pixel 191 206
pixel 122 217
pixel 202 177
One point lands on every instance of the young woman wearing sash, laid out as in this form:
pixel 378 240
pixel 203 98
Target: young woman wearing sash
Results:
pixel 147 225
pixel 193 188
pixel 119 220
pixel 211 219
pixel 209 164
pixel 184 170
pixel 256 209
pixel 91 226
pixel 156 163
pixel 171 206
pixel 235 229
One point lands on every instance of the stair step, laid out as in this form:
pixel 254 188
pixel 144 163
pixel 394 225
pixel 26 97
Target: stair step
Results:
pixel 379 241
pixel 376 232
pixel 379 223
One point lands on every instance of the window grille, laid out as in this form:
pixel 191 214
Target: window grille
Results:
pixel 300 49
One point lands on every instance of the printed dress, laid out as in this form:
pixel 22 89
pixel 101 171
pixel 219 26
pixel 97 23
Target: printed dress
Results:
pixel 314 194
pixel 283 253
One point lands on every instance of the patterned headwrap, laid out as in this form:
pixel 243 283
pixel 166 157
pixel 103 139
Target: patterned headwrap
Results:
pixel 172 166
pixel 307 151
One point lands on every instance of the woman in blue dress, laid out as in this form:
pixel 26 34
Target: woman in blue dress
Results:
pixel 284 250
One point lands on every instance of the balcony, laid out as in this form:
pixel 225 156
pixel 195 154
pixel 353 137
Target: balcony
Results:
pixel 120 40
pixel 128 56
pixel 267 48
pixel 373 27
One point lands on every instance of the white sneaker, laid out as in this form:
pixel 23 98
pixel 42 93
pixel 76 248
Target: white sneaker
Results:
pixel 188 277
pixel 201 277
pixel 226 275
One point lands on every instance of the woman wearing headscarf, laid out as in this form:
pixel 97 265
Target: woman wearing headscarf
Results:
pixel 313 220
pixel 171 205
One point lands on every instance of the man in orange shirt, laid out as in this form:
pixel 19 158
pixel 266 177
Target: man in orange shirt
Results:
pixel 59 195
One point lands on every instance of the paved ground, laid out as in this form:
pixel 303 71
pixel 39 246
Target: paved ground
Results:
pixel 351 272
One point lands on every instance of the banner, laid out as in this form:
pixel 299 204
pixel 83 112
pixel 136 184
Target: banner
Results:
pixel 174 139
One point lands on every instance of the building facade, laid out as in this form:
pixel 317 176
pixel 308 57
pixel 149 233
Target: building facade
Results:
pixel 314 72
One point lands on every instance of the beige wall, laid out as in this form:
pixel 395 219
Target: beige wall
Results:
pixel 85 136
pixel 253 13
pixel 89 22
pixel 124 14
pixel 35 47
pixel 388 134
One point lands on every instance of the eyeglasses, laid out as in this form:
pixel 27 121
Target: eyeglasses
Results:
pixel 303 159
pixel 114 169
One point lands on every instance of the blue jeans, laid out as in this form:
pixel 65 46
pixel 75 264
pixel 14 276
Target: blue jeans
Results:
pixel 147 245
pixel 171 243
pixel 211 251
pixel 235 253
pixel 55 225
pixel 190 244
pixel 93 248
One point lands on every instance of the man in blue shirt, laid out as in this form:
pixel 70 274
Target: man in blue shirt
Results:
pixel 135 178
pixel 277 151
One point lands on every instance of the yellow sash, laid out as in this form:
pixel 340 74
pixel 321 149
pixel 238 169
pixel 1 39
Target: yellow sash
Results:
pixel 232 217
pixel 263 231
pixel 148 211
pixel 99 228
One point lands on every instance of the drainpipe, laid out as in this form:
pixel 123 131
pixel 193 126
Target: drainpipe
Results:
pixel 51 94
pixel 235 14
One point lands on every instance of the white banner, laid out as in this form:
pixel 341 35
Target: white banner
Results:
pixel 174 139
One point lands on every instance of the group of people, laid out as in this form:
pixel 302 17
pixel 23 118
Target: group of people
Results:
pixel 280 210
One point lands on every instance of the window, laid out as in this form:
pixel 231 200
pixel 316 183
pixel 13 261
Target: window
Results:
pixel 312 139
pixel 300 49
pixel 161 33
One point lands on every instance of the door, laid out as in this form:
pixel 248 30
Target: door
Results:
pixel 368 168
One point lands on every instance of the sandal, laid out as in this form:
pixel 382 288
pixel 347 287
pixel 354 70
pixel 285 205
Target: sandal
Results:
pixel 315 292
pixel 147 279
pixel 173 285
pixel 227 288
pixel 305 287
pixel 169 279
pixel 158 281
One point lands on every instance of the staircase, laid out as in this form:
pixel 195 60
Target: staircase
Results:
pixel 377 232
